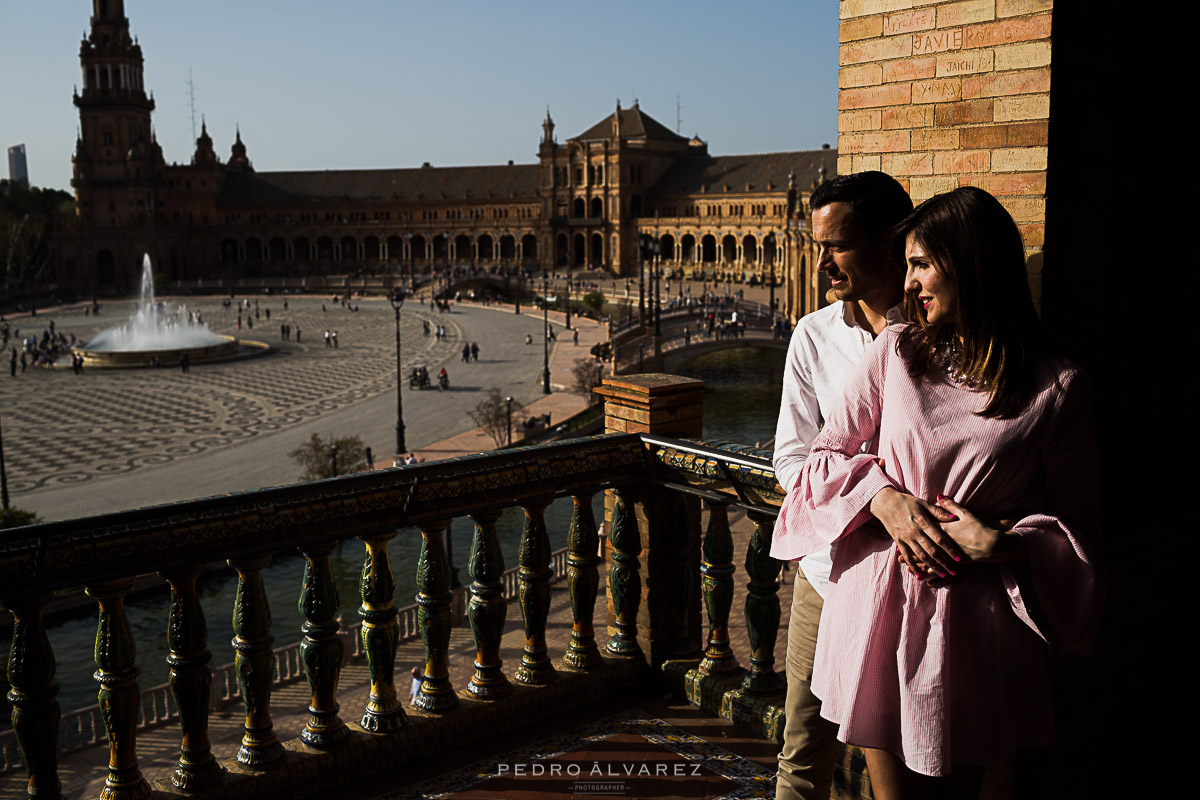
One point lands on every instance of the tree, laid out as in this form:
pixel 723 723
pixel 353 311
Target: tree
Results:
pixel 492 415
pixel 29 219
pixel 15 518
pixel 588 373
pixel 316 457
pixel 594 301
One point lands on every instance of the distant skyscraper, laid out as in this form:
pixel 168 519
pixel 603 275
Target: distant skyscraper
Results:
pixel 18 172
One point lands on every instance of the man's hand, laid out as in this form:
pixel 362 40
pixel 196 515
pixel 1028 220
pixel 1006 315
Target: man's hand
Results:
pixel 916 527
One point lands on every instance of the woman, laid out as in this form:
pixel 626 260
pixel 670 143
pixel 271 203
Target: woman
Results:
pixel 965 418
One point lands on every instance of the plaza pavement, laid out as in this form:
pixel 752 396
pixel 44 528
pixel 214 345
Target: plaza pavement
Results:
pixel 108 440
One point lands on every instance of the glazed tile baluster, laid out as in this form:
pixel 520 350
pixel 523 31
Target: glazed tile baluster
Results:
pixel 380 632
pixel 191 682
pixel 717 569
pixel 117 673
pixel 321 648
pixel 254 663
pixel 487 609
pixel 534 573
pixel 762 608
pixel 623 578
pixel 583 544
pixel 33 694
pixel 433 617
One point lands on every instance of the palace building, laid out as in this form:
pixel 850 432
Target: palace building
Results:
pixel 585 203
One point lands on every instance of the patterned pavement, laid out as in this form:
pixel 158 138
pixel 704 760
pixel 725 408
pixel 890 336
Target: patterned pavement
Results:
pixel 64 429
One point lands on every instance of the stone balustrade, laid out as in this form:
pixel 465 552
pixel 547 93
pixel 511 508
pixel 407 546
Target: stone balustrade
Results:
pixel 660 573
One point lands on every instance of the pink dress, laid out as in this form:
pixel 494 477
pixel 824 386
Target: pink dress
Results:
pixel 954 674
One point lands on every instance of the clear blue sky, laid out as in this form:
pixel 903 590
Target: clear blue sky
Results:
pixel 379 83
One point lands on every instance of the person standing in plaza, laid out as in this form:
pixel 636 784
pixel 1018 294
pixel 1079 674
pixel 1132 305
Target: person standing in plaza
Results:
pixel 333 336
pixel 474 351
pixel 12 363
pixel 852 216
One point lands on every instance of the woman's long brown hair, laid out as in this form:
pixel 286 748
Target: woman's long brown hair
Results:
pixel 972 241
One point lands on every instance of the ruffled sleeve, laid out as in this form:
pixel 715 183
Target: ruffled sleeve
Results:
pixel 837 481
pixel 1059 591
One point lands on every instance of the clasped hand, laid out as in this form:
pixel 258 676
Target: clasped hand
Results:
pixel 934 540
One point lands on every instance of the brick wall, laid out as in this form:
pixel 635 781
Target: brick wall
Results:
pixel 943 94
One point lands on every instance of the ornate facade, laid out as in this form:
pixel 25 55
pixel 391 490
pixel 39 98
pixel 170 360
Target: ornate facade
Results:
pixel 585 202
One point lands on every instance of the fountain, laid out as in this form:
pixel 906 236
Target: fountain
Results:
pixel 153 330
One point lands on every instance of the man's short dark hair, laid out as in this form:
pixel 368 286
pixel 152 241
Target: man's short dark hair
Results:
pixel 877 200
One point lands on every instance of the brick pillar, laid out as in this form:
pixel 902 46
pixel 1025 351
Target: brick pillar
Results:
pixel 668 405
pixel 668 617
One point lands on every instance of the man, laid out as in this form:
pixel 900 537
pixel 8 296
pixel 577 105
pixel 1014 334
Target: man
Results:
pixel 851 219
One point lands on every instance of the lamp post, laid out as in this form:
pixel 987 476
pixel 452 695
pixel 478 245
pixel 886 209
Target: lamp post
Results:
pixel 397 300
pixel 642 280
pixel 333 451
pixel 545 337
pixel 568 294
pixel 517 293
pixel 771 277
pixel 657 293
pixel 508 401
pixel 3 473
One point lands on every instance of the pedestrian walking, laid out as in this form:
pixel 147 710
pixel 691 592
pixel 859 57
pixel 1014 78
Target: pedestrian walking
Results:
pixel 335 340
pixel 474 351
pixel 12 363
pixel 184 362
pixel 370 458
pixel 466 353
pixel 575 337
pixel 328 342
pixel 23 364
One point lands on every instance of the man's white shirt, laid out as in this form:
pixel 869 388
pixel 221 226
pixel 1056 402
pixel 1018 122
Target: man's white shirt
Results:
pixel 824 353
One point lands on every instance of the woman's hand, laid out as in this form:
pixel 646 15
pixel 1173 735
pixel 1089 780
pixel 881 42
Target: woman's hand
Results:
pixel 917 528
pixel 980 541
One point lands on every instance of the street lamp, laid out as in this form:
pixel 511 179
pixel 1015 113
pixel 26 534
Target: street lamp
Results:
pixel 517 293
pixel 568 294
pixel 508 402
pixel 3 474
pixel 333 451
pixel 545 337
pixel 657 293
pixel 397 300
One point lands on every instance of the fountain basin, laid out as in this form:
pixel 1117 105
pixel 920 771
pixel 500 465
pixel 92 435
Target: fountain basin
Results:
pixel 227 350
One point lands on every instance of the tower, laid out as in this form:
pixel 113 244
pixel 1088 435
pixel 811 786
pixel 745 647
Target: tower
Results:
pixel 116 157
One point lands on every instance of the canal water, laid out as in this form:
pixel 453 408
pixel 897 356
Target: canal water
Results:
pixel 743 406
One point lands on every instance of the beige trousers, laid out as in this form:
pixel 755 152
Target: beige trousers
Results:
pixel 810 744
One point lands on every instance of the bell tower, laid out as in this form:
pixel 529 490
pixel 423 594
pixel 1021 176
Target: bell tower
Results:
pixel 115 155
